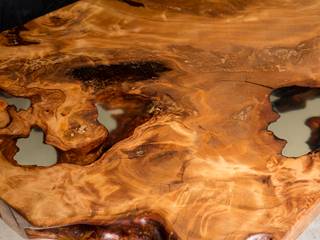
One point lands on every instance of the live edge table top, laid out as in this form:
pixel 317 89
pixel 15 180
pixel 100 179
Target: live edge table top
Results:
pixel 192 155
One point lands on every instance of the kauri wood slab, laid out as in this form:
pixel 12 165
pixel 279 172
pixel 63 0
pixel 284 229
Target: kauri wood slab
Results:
pixel 192 153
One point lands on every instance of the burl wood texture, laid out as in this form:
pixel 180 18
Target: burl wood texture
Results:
pixel 192 155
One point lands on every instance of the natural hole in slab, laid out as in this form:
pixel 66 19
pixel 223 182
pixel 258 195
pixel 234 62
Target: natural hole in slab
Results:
pixel 106 117
pixel 19 102
pixel 34 152
pixel 127 111
pixel 299 121
pixel 121 114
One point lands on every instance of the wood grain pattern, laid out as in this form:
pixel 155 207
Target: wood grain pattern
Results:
pixel 193 155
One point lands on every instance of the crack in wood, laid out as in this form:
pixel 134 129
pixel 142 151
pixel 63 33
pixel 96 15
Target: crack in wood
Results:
pixel 132 3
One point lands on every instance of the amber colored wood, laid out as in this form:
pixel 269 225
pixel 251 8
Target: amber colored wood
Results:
pixel 192 154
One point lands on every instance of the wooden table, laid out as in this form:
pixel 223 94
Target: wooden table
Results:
pixel 191 158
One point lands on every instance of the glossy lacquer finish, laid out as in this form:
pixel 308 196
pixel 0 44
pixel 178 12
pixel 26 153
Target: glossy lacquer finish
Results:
pixel 191 157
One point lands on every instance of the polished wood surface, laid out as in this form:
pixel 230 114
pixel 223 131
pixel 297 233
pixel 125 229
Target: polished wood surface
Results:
pixel 192 155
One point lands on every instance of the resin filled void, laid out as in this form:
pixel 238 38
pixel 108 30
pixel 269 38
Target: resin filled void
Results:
pixel 32 150
pixel 298 124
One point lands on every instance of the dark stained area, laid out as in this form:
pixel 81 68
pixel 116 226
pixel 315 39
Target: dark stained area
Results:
pixel 132 3
pixel 293 97
pixel 104 75
pixel 13 38
pixel 314 141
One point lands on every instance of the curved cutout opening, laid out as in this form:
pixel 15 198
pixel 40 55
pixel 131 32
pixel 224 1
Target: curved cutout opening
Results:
pixel 107 117
pixel 120 116
pixel 20 103
pixel 299 120
pixel 34 152
pixel 120 112
pixel 31 150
